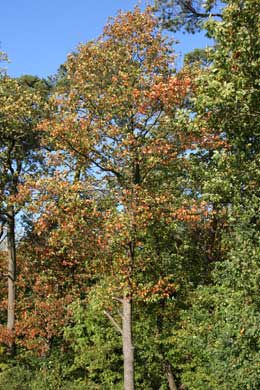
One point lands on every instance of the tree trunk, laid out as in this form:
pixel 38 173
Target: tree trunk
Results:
pixel 170 377
pixel 128 349
pixel 11 269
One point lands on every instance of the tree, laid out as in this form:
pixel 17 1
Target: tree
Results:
pixel 186 15
pixel 19 140
pixel 217 334
pixel 113 120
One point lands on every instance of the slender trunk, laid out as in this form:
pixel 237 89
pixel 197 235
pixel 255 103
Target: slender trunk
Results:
pixel 128 349
pixel 127 337
pixel 170 377
pixel 11 269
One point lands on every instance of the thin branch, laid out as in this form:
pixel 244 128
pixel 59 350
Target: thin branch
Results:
pixel 117 174
pixel 192 10
pixel 2 238
pixel 117 327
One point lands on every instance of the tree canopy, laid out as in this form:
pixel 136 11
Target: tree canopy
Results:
pixel 138 188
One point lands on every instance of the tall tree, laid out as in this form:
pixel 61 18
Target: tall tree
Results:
pixel 113 120
pixel 218 332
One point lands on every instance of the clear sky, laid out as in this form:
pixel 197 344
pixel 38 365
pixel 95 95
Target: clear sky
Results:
pixel 37 35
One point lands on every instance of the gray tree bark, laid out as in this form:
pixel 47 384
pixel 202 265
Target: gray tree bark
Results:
pixel 11 269
pixel 170 377
pixel 128 349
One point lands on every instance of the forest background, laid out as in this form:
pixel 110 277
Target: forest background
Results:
pixel 136 182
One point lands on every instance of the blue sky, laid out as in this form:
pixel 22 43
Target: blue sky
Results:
pixel 37 35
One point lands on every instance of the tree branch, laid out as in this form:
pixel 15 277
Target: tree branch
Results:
pixel 117 327
pixel 189 7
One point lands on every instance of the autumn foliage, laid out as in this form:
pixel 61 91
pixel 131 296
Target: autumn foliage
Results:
pixel 135 197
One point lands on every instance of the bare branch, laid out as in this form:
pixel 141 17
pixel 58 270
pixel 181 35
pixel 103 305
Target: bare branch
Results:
pixel 189 7
pixel 117 327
